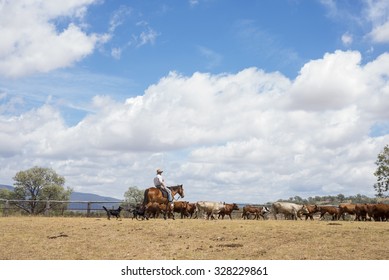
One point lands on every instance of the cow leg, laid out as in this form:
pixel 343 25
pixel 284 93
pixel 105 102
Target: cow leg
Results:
pixel 294 215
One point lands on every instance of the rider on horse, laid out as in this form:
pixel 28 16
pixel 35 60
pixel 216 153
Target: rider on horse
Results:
pixel 159 183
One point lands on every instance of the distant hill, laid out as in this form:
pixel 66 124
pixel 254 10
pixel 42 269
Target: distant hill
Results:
pixel 80 199
pixel 6 187
pixel 85 197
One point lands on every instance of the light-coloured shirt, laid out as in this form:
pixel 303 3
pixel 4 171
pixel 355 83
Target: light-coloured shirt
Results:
pixel 159 181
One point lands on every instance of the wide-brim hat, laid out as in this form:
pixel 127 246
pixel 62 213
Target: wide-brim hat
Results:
pixel 159 170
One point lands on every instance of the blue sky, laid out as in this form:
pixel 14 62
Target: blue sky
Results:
pixel 283 98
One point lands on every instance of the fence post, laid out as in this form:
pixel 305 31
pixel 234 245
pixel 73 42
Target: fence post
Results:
pixel 47 209
pixel 88 209
pixel 6 208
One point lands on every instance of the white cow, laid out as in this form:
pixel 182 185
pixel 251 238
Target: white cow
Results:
pixel 209 208
pixel 288 209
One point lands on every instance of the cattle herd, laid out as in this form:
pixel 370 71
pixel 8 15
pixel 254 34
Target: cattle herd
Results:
pixel 287 210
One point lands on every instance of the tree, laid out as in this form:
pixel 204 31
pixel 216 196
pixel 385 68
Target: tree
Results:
pixel 37 185
pixel 5 194
pixel 340 197
pixel 133 196
pixel 382 172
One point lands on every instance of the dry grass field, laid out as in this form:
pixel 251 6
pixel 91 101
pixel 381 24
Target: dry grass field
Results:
pixel 56 238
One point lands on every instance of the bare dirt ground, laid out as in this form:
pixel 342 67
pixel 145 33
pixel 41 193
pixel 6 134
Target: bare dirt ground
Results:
pixel 56 238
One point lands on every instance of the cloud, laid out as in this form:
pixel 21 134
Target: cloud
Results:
pixel 193 3
pixel 116 53
pixel 147 36
pixel 374 15
pixel 380 34
pixel 118 17
pixel 249 136
pixel 265 46
pixel 347 39
pixel 213 58
pixel 322 84
pixel 31 42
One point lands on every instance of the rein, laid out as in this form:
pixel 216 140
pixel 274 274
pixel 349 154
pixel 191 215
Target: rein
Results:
pixel 175 189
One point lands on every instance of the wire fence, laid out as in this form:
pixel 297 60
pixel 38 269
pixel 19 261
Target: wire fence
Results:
pixel 52 208
pixel 60 208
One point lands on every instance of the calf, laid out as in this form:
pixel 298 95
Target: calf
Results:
pixel 191 209
pixel 257 211
pixel 227 210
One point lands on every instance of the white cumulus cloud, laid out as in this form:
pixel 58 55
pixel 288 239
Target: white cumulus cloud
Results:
pixel 30 41
pixel 249 136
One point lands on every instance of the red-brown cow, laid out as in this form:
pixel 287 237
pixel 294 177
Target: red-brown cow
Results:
pixel 153 209
pixel 191 209
pixel 379 212
pixel 181 207
pixel 361 212
pixel 227 210
pixel 312 209
pixel 348 208
pixel 257 211
pixel 329 209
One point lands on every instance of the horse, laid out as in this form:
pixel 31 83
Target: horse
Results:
pixel 154 194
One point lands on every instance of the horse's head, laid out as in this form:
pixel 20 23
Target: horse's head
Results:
pixel 180 190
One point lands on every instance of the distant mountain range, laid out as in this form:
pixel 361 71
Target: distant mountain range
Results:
pixel 6 187
pixel 80 200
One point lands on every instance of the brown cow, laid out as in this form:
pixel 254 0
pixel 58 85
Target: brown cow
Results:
pixel 312 209
pixel 329 209
pixel 257 211
pixel 361 212
pixel 227 210
pixel 191 209
pixel 379 212
pixel 180 207
pixel 153 209
pixel 348 208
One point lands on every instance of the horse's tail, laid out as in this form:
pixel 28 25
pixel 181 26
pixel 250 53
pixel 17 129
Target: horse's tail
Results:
pixel 146 198
pixel 141 210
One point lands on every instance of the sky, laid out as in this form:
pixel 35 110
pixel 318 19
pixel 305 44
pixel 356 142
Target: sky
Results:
pixel 245 103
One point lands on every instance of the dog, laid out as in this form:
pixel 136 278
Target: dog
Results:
pixel 139 213
pixel 113 212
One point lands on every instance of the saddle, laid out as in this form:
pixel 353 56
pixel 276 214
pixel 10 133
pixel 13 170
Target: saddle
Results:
pixel 163 191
